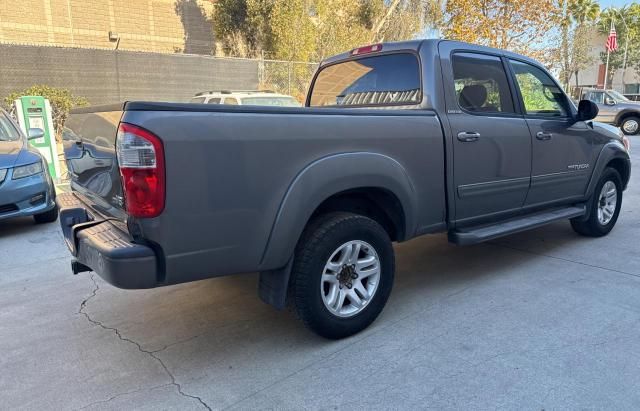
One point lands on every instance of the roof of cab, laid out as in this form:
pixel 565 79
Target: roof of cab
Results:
pixel 416 45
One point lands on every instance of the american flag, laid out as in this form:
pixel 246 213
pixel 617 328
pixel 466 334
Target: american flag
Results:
pixel 612 40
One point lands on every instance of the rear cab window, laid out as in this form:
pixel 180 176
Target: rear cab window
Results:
pixel 383 80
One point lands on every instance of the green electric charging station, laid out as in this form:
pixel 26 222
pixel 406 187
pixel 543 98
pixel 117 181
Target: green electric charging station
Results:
pixel 35 112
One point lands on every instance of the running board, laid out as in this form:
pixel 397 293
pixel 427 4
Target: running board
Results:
pixel 478 234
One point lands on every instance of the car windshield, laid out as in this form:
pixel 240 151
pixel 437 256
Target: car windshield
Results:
pixel 7 131
pixel 271 101
pixel 617 96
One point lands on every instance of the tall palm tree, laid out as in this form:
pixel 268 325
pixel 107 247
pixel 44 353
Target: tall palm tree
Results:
pixel 584 11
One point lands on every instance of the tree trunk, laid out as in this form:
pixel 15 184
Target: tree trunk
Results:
pixel 380 23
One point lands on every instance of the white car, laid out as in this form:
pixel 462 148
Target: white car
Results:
pixel 246 98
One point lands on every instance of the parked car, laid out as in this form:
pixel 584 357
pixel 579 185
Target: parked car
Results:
pixel 246 98
pixel 616 109
pixel 26 188
pixel 397 140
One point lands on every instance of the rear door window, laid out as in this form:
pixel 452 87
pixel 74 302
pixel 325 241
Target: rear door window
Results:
pixel 392 79
pixel 230 100
pixel 481 84
pixel 214 100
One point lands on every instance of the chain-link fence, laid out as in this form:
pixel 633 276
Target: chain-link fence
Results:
pixel 286 77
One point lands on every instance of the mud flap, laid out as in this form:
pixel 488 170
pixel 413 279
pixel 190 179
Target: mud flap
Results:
pixel 273 286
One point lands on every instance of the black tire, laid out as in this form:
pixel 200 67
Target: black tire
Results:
pixel 592 227
pixel 47 217
pixel 320 239
pixel 627 120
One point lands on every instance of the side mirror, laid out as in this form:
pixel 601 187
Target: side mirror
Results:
pixel 35 133
pixel 587 110
pixel 609 101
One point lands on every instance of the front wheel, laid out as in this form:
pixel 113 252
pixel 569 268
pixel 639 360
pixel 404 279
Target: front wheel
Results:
pixel 342 274
pixel 631 126
pixel 605 207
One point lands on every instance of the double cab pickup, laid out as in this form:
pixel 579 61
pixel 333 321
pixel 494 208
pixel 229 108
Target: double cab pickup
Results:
pixel 395 141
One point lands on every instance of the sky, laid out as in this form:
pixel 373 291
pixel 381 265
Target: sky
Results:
pixel 615 3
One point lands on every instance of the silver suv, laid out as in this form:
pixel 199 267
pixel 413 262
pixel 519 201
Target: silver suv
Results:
pixel 616 109
pixel 246 98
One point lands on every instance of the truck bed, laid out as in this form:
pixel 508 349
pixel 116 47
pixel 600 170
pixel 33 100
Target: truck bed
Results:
pixel 240 179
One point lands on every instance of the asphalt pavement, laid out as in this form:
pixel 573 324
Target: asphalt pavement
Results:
pixel 540 320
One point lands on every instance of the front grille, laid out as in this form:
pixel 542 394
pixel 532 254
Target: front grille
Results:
pixel 8 208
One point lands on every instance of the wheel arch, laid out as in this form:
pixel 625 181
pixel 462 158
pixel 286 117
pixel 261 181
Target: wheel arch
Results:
pixel 624 114
pixel 360 181
pixel 623 167
pixel 612 154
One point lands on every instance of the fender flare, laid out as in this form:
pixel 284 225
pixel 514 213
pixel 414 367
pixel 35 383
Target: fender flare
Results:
pixel 611 151
pixel 324 178
pixel 623 113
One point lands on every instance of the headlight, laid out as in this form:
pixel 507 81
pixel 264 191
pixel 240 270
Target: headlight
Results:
pixel 28 170
pixel 3 173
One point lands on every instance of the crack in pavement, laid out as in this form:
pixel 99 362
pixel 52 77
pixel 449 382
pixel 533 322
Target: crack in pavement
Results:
pixel 356 340
pixel 122 394
pixel 152 354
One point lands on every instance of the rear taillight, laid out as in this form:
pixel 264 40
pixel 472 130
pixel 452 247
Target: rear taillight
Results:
pixel 141 161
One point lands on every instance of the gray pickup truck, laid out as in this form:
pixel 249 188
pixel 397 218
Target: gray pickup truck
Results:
pixel 396 141
pixel 616 109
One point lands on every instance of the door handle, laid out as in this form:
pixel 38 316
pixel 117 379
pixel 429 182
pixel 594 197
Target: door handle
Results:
pixel 468 136
pixel 541 135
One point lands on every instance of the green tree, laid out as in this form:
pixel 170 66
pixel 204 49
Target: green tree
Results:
pixel 584 11
pixel 579 21
pixel 627 23
pixel 61 100
pixel 313 29
pixel 517 25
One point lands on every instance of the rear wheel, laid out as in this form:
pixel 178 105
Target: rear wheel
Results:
pixel 605 206
pixel 342 274
pixel 48 216
pixel 630 126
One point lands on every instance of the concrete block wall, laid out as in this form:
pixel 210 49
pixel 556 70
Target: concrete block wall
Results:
pixel 165 26
pixel 106 76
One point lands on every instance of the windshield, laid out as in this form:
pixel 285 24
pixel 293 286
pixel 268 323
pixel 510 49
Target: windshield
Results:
pixel 392 79
pixel 7 131
pixel 271 101
pixel 617 96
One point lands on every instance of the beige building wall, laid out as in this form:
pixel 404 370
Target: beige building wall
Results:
pixel 590 77
pixel 166 26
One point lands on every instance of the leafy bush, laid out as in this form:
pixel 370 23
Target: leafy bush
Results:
pixel 62 101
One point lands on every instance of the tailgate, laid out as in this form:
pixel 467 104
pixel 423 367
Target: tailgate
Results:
pixel 89 140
